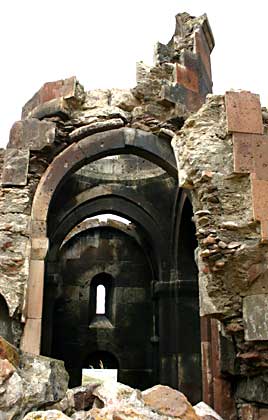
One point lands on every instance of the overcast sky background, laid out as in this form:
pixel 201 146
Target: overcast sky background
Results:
pixel 100 42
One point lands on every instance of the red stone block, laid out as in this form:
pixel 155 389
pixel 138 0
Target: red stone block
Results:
pixel 205 328
pixel 259 190
pixel 193 100
pixel 261 157
pixel 57 89
pixel 264 231
pixel 201 48
pixel 243 111
pixel 31 134
pixel 187 78
pixel 224 402
pixel 243 146
pixel 52 90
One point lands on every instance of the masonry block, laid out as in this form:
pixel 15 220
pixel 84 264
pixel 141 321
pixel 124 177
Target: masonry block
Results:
pixel 35 289
pixel 261 158
pixel 15 168
pixel 260 198
pixel 243 111
pixel 255 317
pixel 51 90
pixel 187 77
pixel 39 248
pixel 178 94
pixel 201 48
pixel 244 152
pixel 32 134
pixel 30 342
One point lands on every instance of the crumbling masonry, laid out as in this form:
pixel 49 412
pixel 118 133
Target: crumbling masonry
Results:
pixel 186 279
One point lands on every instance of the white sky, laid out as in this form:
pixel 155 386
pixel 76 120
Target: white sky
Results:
pixel 100 42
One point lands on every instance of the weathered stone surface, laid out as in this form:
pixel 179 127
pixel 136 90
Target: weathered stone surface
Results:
pixel 203 51
pixel 243 111
pixel 14 200
pixel 87 116
pixel 261 158
pixel 96 98
pixel 58 106
pixel 184 38
pixel 32 134
pixel 80 398
pixel 15 169
pixel 150 80
pixel 205 412
pixel 232 261
pixel 244 152
pixel 8 352
pixel 187 78
pixel 113 392
pixel 68 89
pixel 255 310
pixel 204 153
pixel 14 243
pixel 159 403
pixel 179 95
pixel 259 196
pixel 169 402
pixel 6 370
pixel 95 127
pixel 46 415
pixel 254 389
pixel 38 381
pixel 123 98
pixel 14 274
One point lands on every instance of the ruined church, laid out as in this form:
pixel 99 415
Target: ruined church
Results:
pixel 183 270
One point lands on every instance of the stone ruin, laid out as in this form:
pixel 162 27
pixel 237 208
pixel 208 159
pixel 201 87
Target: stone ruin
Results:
pixel 184 270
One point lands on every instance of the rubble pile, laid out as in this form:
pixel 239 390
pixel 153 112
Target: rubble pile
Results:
pixel 35 388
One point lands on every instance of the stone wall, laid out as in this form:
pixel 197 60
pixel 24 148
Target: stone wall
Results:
pixel 221 158
pixel 61 113
pixel 220 149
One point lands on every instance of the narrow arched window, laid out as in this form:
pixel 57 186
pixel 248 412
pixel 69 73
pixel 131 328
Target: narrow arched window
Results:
pixel 101 296
pixel 100 300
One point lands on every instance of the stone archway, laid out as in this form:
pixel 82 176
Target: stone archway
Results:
pixel 87 150
pixel 102 256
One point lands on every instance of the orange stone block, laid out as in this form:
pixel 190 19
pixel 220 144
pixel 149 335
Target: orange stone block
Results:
pixel 35 289
pixel 243 146
pixel 261 157
pixel 59 88
pixel 259 190
pixel 243 111
pixel 31 339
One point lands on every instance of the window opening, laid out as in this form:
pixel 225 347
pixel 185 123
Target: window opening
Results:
pixel 100 300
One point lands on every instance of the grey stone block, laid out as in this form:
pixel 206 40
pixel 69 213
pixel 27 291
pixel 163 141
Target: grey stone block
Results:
pixel 255 315
pixel 15 168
